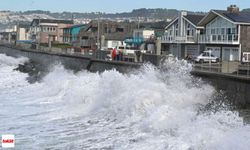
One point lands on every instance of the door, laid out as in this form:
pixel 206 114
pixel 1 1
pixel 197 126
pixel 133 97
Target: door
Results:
pixel 234 54
pixel 230 54
pixel 226 54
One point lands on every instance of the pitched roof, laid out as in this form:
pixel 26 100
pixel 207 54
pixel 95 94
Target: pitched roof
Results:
pixel 52 21
pixel 154 25
pixel 195 19
pixel 241 17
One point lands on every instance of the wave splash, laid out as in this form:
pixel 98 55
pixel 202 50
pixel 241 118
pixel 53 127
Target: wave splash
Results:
pixel 148 109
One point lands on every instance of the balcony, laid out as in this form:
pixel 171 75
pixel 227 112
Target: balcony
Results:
pixel 219 39
pixel 178 39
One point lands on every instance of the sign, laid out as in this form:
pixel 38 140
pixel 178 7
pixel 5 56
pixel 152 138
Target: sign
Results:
pixel 8 141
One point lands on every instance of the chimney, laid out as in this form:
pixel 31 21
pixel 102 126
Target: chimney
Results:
pixel 233 9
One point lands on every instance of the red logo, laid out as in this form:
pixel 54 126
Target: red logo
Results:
pixel 8 141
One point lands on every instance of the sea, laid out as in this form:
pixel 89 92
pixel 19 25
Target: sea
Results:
pixel 151 108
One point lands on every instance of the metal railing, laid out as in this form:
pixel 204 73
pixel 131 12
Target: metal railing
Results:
pixel 178 39
pixel 93 54
pixel 219 39
pixel 230 68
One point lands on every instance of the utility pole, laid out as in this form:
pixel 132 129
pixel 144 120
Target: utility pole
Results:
pixel 138 22
pixel 39 35
pixel 98 33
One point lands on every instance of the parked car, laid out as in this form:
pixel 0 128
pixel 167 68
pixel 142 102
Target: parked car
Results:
pixel 206 56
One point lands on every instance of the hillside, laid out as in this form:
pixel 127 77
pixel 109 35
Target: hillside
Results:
pixel 10 18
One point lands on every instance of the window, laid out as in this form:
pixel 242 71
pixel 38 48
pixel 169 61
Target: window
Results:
pixel 192 32
pixel 212 31
pixel 84 38
pixel 229 31
pixel 219 37
pixel 214 37
pixel 222 30
pixel 217 31
pixel 233 30
pixel 176 26
pixel 170 32
pixel 202 31
pixel 119 30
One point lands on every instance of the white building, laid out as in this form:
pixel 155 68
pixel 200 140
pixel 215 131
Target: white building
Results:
pixel 23 33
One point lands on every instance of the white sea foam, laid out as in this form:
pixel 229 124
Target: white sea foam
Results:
pixel 148 109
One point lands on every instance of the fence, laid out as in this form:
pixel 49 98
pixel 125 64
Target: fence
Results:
pixel 232 68
pixel 94 54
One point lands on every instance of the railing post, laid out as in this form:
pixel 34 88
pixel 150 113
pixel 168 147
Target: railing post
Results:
pixel 248 70
pixel 238 69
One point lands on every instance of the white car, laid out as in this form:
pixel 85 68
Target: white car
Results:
pixel 206 56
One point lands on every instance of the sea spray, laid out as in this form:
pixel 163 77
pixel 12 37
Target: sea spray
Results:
pixel 148 109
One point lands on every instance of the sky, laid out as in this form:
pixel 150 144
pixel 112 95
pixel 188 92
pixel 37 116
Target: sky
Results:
pixel 113 6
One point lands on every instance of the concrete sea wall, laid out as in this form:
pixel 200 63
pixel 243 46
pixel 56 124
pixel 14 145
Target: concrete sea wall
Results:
pixel 236 89
pixel 73 62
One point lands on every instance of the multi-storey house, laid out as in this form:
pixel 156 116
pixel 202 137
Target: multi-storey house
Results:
pixel 226 33
pixel 181 36
pixel 105 34
pixel 48 30
pixel 71 34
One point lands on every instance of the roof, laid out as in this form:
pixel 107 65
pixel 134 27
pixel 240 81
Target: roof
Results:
pixel 75 26
pixel 195 19
pixel 154 25
pixel 52 21
pixel 241 17
pixel 237 18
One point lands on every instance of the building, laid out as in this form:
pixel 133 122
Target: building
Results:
pixel 143 39
pixel 226 33
pixel 46 30
pixel 105 34
pixel 9 35
pixel 71 34
pixel 181 36
pixel 22 33
pixel 158 27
